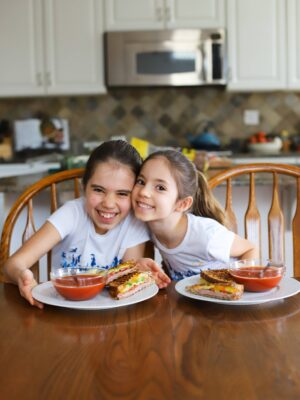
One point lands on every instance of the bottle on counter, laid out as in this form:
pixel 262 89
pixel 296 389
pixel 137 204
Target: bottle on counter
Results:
pixel 286 142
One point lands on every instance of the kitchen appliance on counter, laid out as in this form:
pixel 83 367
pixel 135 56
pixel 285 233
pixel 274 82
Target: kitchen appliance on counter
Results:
pixel 179 57
pixel 50 134
pixel 205 137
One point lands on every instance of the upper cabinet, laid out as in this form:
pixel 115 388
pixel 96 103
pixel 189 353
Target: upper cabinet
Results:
pixel 293 49
pixel 52 47
pixel 256 33
pixel 21 46
pixel 263 44
pixel 162 14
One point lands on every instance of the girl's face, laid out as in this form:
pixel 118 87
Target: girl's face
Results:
pixel 108 195
pixel 155 193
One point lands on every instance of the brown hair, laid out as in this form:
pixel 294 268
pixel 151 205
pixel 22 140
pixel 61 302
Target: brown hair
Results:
pixel 113 150
pixel 191 182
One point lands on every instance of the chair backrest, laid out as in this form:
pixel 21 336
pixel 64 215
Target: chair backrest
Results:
pixel 49 185
pixel 282 176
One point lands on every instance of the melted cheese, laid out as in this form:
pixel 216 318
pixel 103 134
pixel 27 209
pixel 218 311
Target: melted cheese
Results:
pixel 134 281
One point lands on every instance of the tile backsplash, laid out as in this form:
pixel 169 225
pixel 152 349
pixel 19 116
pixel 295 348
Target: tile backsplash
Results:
pixel 162 116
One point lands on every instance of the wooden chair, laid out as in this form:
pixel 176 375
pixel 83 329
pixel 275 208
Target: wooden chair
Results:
pixel 279 175
pixel 26 201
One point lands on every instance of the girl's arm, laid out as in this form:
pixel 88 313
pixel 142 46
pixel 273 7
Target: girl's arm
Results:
pixel 135 252
pixel 147 264
pixel 17 267
pixel 243 249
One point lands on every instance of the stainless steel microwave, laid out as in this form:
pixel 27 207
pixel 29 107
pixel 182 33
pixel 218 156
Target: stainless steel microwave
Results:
pixel 180 57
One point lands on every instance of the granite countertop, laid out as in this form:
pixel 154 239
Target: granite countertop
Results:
pixel 18 169
pixel 16 177
pixel 280 158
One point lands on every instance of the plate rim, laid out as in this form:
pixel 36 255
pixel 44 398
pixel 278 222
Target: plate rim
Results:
pixel 286 280
pixel 59 301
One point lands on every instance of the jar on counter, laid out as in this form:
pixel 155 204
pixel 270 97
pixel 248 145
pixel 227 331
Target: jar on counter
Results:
pixel 286 142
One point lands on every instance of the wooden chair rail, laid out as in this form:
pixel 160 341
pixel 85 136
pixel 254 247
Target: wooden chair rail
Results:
pixel 252 218
pixel 26 200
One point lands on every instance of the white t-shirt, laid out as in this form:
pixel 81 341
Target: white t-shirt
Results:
pixel 206 244
pixel 82 246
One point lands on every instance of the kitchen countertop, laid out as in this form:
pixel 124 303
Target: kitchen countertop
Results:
pixel 281 158
pixel 19 169
pixel 16 177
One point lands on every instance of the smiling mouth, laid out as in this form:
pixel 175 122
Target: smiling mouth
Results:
pixel 144 206
pixel 106 215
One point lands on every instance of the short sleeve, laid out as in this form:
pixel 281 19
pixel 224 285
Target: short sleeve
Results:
pixel 219 244
pixel 64 219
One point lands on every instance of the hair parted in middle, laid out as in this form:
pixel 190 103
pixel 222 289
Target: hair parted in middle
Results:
pixel 118 151
pixel 191 182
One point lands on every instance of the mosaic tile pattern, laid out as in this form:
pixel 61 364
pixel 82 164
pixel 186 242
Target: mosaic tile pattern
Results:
pixel 162 116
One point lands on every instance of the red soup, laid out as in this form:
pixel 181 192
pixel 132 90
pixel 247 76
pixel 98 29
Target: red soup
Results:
pixel 257 279
pixel 79 287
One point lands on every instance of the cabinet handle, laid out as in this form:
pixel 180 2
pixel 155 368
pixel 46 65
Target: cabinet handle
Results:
pixel 167 14
pixel 159 13
pixel 48 79
pixel 39 80
pixel 229 74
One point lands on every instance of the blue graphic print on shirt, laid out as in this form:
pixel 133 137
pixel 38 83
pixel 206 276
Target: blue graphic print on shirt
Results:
pixel 69 259
pixel 177 276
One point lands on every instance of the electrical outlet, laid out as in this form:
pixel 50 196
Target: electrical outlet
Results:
pixel 251 117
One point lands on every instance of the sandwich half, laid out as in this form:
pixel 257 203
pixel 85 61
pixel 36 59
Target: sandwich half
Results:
pixel 217 275
pixel 223 291
pixel 129 284
pixel 120 270
pixel 218 284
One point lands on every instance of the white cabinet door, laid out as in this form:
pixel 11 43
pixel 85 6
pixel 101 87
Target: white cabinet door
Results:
pixel 195 13
pixel 74 47
pixel 162 14
pixel 293 50
pixel 21 46
pixel 51 47
pixel 256 44
pixel 134 14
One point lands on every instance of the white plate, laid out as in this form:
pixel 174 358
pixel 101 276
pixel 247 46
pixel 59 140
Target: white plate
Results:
pixel 288 287
pixel 46 293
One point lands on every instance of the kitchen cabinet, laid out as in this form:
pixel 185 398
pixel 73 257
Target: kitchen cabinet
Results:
pixel 256 44
pixel 293 50
pixel 51 47
pixel 263 44
pixel 163 14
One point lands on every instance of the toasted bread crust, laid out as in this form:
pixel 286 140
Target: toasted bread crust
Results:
pixel 115 285
pixel 121 270
pixel 217 275
pixel 216 295
pixel 235 290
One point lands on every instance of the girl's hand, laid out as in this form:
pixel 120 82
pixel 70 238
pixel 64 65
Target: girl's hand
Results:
pixel 147 264
pixel 26 282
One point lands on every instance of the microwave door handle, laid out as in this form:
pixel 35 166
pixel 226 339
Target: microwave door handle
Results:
pixel 207 57
pixel 202 72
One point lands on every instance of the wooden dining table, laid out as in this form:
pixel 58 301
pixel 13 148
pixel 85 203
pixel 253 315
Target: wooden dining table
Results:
pixel 167 347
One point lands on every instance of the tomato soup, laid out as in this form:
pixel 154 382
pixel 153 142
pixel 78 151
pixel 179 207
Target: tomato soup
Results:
pixel 257 279
pixel 79 287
